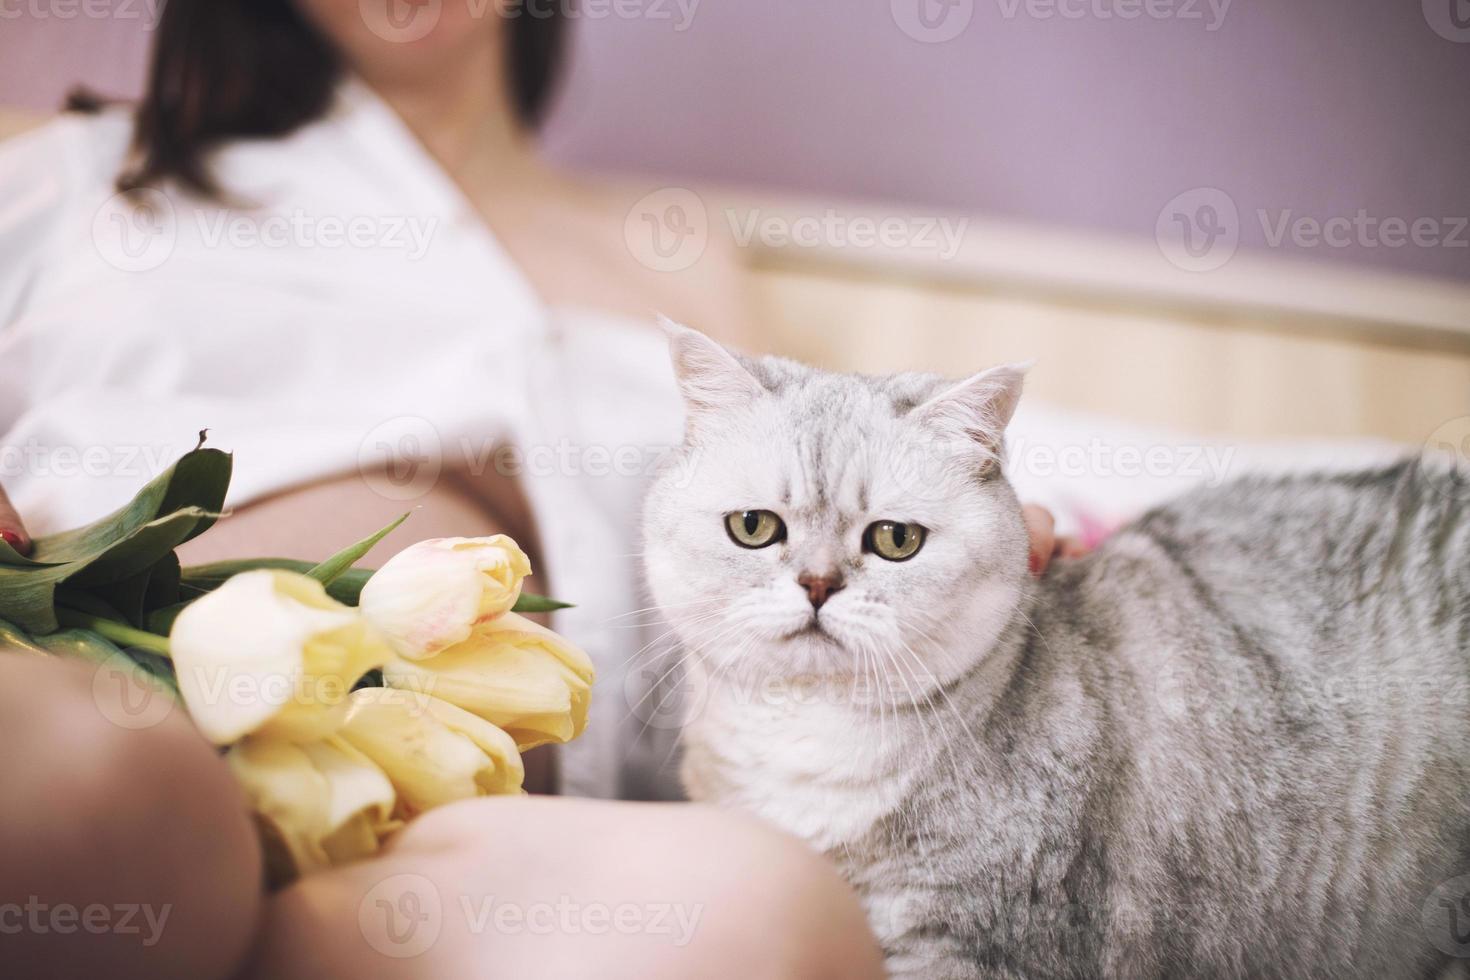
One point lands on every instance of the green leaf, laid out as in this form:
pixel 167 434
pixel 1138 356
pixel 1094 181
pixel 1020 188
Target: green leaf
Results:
pixel 351 555
pixel 179 504
pixel 529 602
pixel 87 645
pixel 14 638
pixel 199 579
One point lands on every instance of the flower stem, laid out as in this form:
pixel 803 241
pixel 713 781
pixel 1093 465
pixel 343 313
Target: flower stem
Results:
pixel 113 630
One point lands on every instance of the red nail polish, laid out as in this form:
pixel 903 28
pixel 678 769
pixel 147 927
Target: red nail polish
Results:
pixel 12 539
pixel 1035 563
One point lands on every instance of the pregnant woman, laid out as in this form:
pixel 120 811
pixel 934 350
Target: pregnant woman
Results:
pixel 340 252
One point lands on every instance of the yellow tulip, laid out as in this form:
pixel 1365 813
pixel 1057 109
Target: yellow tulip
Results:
pixel 270 653
pixel 513 673
pixel 430 595
pixel 316 803
pixel 433 752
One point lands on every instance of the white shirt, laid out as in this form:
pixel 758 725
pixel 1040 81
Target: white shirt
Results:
pixel 362 314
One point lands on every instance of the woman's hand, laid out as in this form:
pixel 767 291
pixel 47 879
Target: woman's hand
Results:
pixel 1045 545
pixel 11 528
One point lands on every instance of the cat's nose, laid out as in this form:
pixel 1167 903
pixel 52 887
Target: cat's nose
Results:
pixel 820 587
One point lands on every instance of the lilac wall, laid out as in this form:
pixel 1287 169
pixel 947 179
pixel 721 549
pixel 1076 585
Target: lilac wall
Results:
pixel 1323 107
pixel 1320 106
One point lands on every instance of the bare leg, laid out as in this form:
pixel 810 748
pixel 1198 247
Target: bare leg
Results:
pixel 124 852
pixel 574 889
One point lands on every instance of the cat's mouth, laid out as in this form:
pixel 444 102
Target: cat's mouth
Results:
pixel 813 630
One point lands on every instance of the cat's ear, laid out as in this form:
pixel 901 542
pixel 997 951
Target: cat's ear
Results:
pixel 711 378
pixel 979 408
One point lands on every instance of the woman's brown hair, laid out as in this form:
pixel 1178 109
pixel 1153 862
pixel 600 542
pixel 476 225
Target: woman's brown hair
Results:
pixel 226 69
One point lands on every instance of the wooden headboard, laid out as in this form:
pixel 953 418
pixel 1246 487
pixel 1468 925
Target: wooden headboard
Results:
pixel 1264 347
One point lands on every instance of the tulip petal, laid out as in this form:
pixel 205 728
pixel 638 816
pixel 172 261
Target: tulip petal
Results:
pixel 270 652
pixel 512 672
pixel 316 804
pixel 432 755
pixel 430 595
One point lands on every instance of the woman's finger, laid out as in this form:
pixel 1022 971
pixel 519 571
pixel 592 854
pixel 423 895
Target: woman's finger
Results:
pixel 11 529
pixel 1070 547
pixel 1041 528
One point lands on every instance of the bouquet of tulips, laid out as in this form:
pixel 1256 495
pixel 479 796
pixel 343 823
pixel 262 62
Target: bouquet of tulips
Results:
pixel 345 701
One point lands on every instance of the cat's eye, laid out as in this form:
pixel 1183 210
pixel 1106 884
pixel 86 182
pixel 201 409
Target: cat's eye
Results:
pixel 893 540
pixel 755 528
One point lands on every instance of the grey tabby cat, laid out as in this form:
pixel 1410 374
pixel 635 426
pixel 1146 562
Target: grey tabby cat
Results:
pixel 1233 742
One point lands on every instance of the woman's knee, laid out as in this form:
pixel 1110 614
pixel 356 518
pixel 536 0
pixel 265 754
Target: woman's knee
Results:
pixel 698 892
pixel 125 846
pixel 784 910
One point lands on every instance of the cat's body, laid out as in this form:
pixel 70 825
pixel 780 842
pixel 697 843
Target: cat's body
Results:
pixel 1234 742
pixel 1161 778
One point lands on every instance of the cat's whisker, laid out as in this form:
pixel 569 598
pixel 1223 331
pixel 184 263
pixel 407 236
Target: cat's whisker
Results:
pixel 659 607
pixel 691 649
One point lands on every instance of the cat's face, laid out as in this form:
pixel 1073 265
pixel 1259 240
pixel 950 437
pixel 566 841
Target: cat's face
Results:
pixel 835 527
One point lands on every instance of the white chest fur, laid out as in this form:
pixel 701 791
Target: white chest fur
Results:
pixel 809 761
